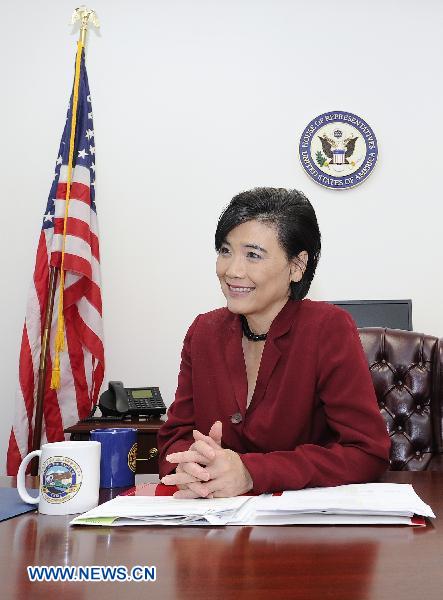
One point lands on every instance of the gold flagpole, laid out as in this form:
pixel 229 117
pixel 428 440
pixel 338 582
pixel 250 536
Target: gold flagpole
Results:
pixel 84 15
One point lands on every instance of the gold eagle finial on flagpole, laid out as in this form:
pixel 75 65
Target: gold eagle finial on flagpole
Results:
pixel 85 15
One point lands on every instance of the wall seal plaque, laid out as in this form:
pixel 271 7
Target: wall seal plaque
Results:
pixel 338 150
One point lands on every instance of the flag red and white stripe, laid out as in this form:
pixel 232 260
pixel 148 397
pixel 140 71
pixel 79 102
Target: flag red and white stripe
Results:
pixel 82 361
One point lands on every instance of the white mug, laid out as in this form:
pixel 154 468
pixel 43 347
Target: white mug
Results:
pixel 69 477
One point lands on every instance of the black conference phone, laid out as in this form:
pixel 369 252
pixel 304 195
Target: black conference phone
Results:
pixel 119 401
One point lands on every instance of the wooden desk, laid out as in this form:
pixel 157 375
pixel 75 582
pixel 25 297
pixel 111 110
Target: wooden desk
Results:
pixel 301 563
pixel 147 452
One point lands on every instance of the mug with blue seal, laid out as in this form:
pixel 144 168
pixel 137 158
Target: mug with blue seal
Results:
pixel 69 477
pixel 118 456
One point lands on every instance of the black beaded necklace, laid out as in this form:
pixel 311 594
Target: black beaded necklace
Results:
pixel 254 337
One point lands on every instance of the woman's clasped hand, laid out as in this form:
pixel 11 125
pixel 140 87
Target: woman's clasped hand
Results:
pixel 207 470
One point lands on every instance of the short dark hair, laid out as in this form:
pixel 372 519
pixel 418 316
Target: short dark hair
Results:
pixel 293 216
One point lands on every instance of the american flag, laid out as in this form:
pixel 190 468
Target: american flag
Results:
pixel 82 361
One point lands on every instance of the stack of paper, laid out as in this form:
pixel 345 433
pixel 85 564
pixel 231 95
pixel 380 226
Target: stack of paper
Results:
pixel 370 503
pixel 359 504
pixel 163 510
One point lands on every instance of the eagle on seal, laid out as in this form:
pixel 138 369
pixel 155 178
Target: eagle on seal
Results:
pixel 328 143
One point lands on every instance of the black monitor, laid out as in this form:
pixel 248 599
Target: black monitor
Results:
pixel 395 314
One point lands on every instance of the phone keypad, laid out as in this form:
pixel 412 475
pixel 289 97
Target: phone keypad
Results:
pixel 153 405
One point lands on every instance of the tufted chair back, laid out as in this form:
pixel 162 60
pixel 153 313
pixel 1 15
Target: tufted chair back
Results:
pixel 406 369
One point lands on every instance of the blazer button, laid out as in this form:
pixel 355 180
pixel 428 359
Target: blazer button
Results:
pixel 236 418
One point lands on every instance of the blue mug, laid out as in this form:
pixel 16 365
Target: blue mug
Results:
pixel 118 456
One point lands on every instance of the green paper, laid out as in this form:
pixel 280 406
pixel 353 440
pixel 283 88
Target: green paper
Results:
pixel 95 521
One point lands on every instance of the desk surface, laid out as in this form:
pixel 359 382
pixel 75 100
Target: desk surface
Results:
pixel 302 562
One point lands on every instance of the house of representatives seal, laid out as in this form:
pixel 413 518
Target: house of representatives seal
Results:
pixel 338 150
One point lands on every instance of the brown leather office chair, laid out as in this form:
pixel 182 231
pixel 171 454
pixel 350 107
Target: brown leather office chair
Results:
pixel 407 372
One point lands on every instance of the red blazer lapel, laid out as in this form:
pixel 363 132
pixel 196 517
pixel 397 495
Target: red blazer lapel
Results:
pixel 269 360
pixel 271 354
pixel 235 361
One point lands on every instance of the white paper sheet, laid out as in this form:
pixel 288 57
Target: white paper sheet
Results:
pixel 371 503
pixel 153 509
pixel 356 499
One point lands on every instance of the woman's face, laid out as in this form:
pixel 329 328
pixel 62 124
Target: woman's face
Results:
pixel 254 271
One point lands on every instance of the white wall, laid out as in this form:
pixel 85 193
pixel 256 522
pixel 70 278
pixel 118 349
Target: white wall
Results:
pixel 194 101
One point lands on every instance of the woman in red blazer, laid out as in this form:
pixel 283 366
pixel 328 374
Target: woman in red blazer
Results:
pixel 274 391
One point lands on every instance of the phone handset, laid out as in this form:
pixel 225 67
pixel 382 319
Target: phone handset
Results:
pixel 121 397
pixel 114 402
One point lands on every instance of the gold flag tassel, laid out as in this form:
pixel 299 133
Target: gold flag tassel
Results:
pixel 60 335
